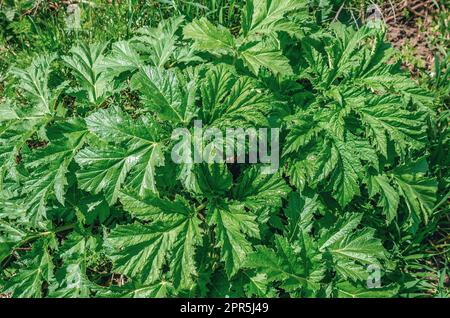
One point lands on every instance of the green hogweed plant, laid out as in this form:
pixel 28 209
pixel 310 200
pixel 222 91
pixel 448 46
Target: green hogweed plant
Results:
pixel 92 204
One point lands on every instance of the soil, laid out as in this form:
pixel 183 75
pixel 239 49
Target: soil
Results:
pixel 410 23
